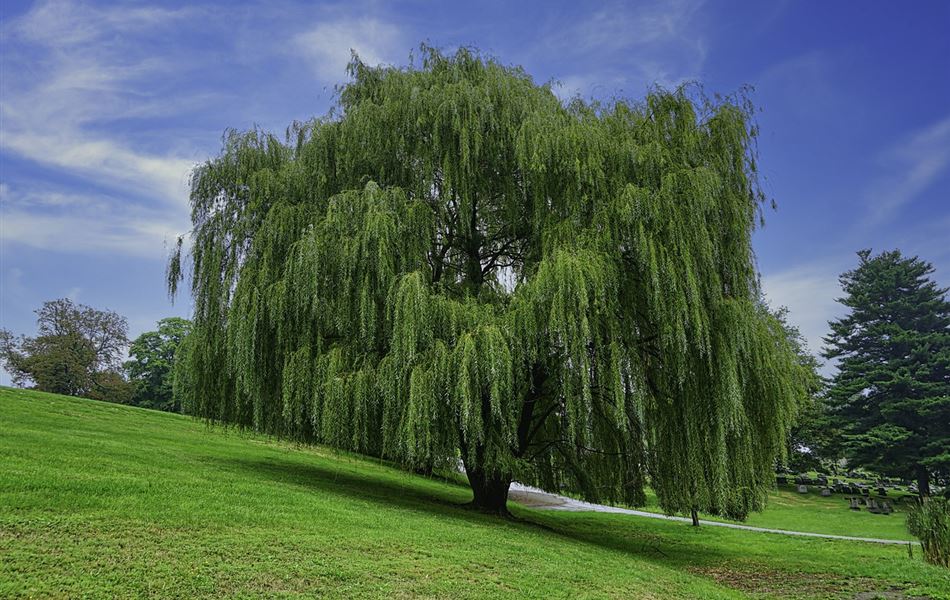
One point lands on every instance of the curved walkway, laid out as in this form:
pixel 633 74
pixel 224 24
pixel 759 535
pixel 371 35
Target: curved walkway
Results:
pixel 535 498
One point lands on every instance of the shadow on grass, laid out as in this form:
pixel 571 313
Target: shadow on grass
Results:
pixel 695 552
pixel 389 487
pixel 407 491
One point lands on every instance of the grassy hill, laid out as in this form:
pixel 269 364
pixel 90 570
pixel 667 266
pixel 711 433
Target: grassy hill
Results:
pixel 100 500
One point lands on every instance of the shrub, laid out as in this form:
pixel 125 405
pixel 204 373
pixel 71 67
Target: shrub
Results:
pixel 929 521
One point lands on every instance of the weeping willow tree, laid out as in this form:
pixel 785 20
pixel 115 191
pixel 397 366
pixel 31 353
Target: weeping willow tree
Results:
pixel 454 265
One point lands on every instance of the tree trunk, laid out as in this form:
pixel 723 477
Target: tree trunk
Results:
pixel 923 482
pixel 695 515
pixel 490 491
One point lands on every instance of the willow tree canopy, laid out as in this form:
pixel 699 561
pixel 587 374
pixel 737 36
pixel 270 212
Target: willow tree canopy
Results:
pixel 455 265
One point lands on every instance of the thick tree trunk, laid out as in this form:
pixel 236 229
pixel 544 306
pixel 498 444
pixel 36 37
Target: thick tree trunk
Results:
pixel 490 491
pixel 695 515
pixel 923 482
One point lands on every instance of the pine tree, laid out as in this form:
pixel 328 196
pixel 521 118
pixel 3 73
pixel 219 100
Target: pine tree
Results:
pixel 454 265
pixel 892 390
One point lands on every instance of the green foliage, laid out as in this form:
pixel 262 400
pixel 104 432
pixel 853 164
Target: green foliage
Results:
pixel 929 521
pixel 76 352
pixel 454 264
pixel 151 364
pixel 892 391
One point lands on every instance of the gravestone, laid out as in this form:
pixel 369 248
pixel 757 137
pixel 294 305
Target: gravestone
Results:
pixel 886 508
pixel 873 506
pixel 802 489
pixel 854 503
pixel 825 491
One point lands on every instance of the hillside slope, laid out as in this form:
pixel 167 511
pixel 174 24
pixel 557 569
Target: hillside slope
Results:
pixel 100 500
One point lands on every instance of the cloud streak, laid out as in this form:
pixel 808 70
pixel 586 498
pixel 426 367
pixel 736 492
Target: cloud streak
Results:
pixel 53 220
pixel 810 292
pixel 76 77
pixel 657 42
pixel 914 164
pixel 328 44
pixel 56 110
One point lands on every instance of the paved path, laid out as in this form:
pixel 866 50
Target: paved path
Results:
pixel 535 498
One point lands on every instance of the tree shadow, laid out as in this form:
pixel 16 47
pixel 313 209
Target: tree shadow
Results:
pixel 390 487
pixel 446 498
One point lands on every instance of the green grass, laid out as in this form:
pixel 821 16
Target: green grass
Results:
pixel 101 501
pixel 787 509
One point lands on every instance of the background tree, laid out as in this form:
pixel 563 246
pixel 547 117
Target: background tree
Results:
pixel 77 351
pixel 811 439
pixel 151 364
pixel 454 264
pixel 891 393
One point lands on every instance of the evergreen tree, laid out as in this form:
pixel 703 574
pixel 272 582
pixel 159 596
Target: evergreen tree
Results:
pixel 892 390
pixel 455 265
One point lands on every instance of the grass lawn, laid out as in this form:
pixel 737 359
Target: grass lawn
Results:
pixel 100 500
pixel 787 509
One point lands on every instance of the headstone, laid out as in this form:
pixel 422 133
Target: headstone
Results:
pixel 802 489
pixel 825 492
pixel 854 503
pixel 873 507
pixel 886 508
pixel 865 492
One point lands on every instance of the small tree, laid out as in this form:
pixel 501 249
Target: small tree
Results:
pixel 151 364
pixel 77 351
pixel 456 265
pixel 891 393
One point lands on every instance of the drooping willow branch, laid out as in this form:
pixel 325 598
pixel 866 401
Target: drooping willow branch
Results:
pixel 457 265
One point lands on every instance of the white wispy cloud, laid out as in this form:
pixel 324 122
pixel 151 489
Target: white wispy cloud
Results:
pixel 71 69
pixel 651 43
pixel 328 44
pixel 809 292
pixel 54 220
pixel 910 167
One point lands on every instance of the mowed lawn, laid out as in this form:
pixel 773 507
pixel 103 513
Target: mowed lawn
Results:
pixel 100 500
pixel 788 509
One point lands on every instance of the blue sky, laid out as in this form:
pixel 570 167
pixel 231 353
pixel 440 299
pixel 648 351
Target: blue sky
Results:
pixel 104 108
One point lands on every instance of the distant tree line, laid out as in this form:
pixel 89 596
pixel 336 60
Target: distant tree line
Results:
pixel 78 351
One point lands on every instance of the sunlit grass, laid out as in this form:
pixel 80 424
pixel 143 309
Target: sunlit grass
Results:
pixel 99 500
